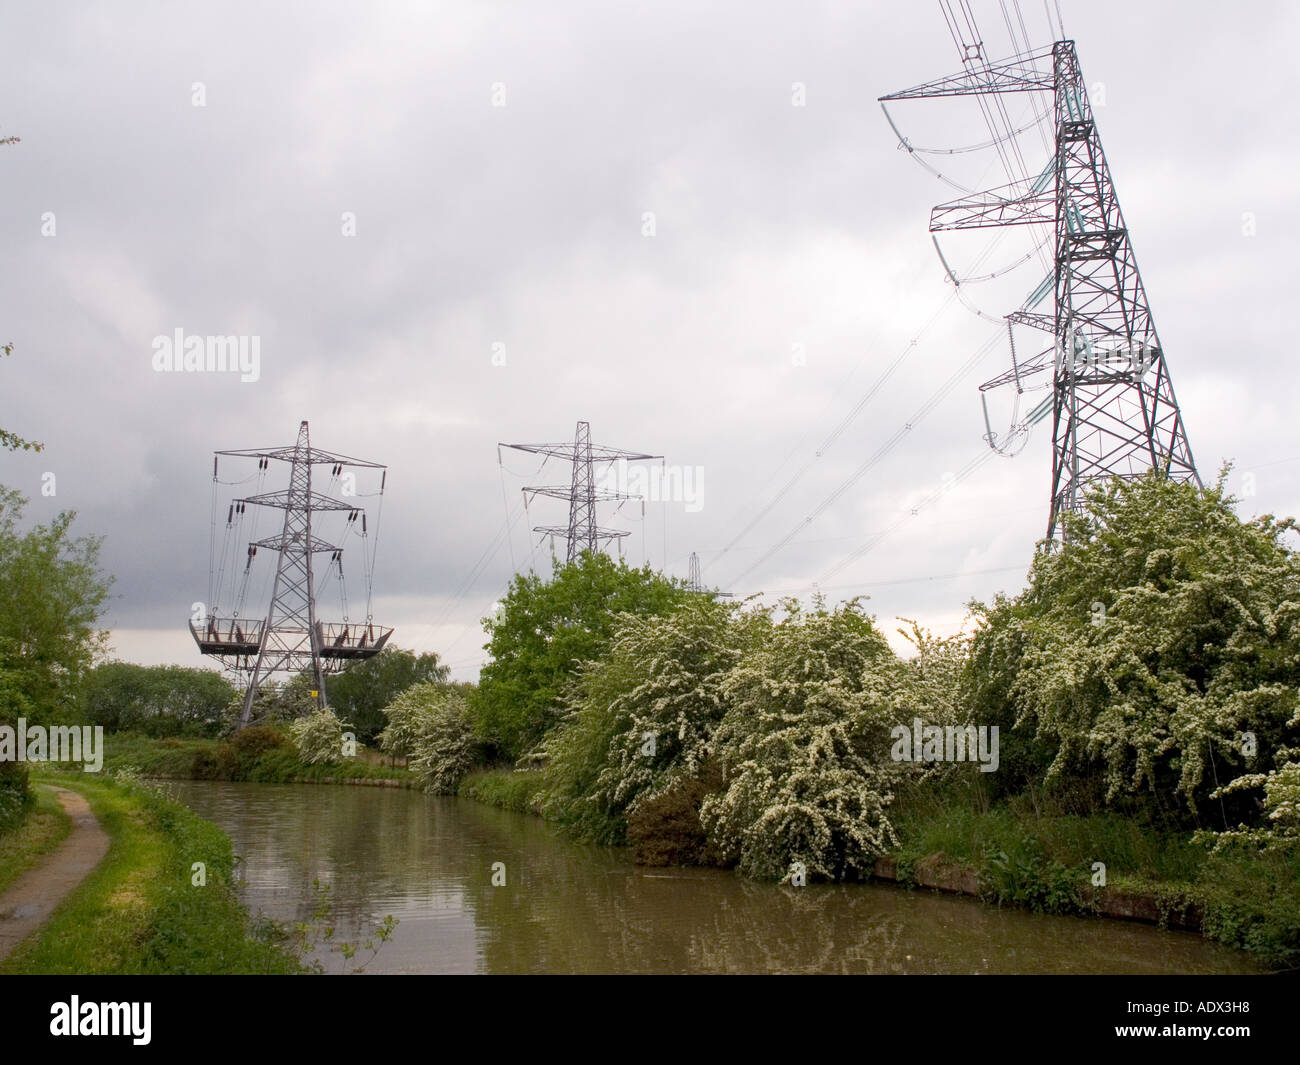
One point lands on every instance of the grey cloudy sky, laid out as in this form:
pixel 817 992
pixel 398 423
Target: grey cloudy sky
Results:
pixel 522 225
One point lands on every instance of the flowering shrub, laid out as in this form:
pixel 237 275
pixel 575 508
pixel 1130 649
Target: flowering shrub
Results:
pixel 318 737
pixel 804 747
pixel 431 724
pixel 1142 653
pixel 641 719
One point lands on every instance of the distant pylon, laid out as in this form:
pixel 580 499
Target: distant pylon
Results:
pixel 583 533
pixel 694 582
pixel 1113 405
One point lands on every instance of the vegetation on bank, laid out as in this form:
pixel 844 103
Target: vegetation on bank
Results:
pixel 33 838
pixel 1144 687
pixel 519 790
pixel 258 753
pixel 142 909
pixel 1046 859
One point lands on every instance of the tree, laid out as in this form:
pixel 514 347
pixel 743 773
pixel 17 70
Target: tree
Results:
pixel 158 700
pixel 805 750
pixel 14 795
pixel 1157 653
pixel 361 691
pixel 52 595
pixel 541 633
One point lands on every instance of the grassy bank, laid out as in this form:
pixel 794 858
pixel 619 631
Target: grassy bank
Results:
pixel 255 754
pixel 141 911
pixel 40 832
pixel 1047 862
pixel 511 789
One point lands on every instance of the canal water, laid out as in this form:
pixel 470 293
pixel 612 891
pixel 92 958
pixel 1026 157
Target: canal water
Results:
pixel 431 862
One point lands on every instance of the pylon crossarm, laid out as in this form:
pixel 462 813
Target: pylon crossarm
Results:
pixel 1031 72
pixel 287 500
pixel 993 208
pixel 315 456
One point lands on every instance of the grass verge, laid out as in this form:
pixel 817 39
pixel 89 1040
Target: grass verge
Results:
pixel 40 832
pixel 141 910
pixel 510 789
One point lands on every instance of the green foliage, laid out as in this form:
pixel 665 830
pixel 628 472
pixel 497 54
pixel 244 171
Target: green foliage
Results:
pixel 362 691
pixel 664 828
pixel 544 629
pixel 259 758
pixel 431 724
pixel 1251 901
pixel 511 789
pixel 804 747
pixel 15 798
pixel 1142 651
pixel 319 738
pixel 52 594
pixel 1024 877
pixel 156 700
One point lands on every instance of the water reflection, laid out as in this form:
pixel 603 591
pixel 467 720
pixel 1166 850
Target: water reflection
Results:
pixel 576 909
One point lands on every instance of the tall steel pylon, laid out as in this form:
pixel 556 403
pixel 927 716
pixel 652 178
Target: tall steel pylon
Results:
pixel 1113 407
pixel 583 533
pixel 291 638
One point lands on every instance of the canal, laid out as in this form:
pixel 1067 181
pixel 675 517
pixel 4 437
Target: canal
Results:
pixel 431 862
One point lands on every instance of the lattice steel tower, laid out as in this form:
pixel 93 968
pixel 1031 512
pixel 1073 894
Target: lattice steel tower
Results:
pixel 583 533
pixel 1112 404
pixel 291 638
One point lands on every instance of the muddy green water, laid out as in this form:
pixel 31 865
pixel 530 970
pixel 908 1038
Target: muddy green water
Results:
pixel 570 908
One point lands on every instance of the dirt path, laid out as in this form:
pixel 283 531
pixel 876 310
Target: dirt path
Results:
pixel 33 896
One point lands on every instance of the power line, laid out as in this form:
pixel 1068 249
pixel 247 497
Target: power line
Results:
pixel 875 458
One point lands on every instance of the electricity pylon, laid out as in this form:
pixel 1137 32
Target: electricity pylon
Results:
pixel 1113 406
pixel 292 639
pixel 583 533
pixel 694 582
